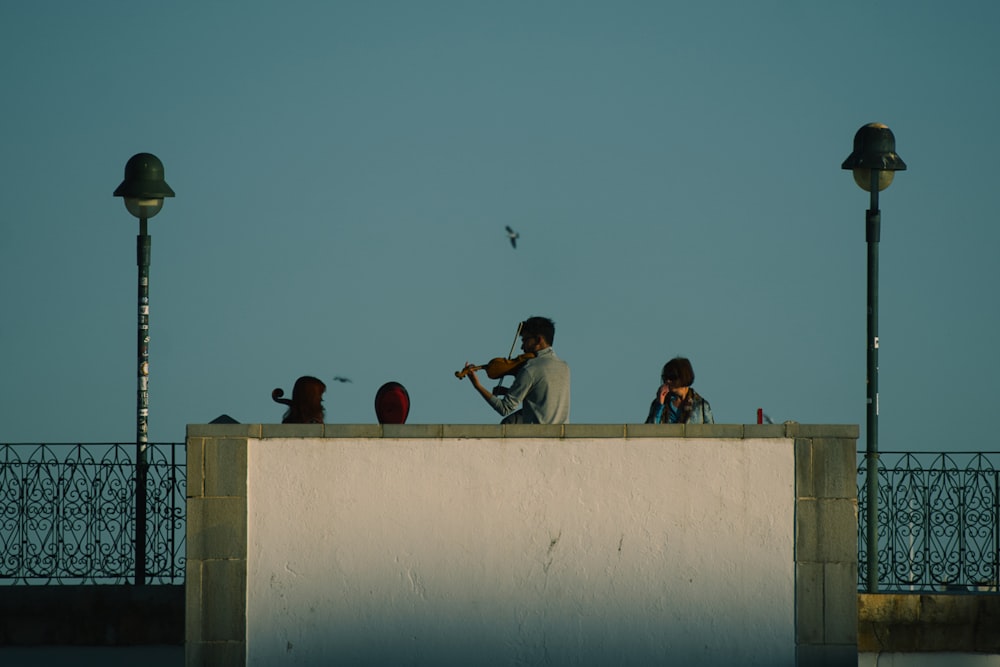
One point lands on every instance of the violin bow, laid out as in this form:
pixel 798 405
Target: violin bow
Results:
pixel 519 325
pixel 512 345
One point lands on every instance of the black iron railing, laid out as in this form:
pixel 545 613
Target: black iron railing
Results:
pixel 67 516
pixel 938 522
pixel 67 513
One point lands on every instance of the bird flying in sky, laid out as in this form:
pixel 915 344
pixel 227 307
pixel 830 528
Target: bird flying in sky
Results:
pixel 513 236
pixel 341 379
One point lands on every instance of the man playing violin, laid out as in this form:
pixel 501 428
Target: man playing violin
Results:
pixel 541 384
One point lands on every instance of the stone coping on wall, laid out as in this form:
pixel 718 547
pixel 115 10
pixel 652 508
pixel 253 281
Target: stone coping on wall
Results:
pixel 736 431
pixel 91 615
pixel 921 623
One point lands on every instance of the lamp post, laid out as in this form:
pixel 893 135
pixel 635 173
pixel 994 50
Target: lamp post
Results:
pixel 143 191
pixel 874 162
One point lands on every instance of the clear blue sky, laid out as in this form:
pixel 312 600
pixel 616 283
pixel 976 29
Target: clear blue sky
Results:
pixel 344 172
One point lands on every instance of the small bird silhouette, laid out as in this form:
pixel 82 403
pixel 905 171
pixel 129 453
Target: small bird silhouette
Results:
pixel 513 236
pixel 341 379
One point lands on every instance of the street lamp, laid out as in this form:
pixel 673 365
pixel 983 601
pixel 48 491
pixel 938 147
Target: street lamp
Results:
pixel 143 191
pixel 874 163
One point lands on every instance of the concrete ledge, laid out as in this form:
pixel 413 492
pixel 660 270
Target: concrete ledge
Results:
pixel 848 431
pixel 223 431
pixel 292 430
pixel 713 431
pixel 352 430
pixel 914 623
pixel 594 431
pixel 654 430
pixel 765 431
pixel 412 431
pixel 91 615
pixel 472 431
pixel 557 431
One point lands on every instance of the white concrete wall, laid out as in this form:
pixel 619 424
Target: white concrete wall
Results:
pixel 520 551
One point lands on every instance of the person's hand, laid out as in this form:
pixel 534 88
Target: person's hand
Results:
pixel 662 393
pixel 470 371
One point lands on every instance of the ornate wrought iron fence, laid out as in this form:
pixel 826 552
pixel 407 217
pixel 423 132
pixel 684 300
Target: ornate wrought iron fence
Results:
pixel 938 522
pixel 67 513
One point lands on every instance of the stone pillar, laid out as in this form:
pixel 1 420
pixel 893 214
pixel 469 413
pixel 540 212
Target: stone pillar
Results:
pixel 826 546
pixel 216 567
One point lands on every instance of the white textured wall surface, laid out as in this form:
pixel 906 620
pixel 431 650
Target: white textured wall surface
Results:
pixel 520 551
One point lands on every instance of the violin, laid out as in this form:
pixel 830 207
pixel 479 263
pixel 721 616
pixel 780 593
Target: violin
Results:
pixel 498 367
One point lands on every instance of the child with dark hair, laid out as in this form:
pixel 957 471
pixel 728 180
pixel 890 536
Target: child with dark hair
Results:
pixel 676 400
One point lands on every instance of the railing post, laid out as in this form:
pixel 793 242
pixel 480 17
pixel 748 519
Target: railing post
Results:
pixel 926 478
pixel 962 545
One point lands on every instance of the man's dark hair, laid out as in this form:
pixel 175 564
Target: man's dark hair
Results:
pixel 678 370
pixel 539 326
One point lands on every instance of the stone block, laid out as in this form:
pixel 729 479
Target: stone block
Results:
pixel 192 600
pixel 224 600
pixel 826 531
pixel 412 431
pixel 901 622
pixel 226 467
pixel 845 431
pixel 946 609
pixel 840 603
pixel 987 624
pixel 809 607
pixel 839 531
pixel 90 615
pixel 828 655
pixel 713 430
pixel 887 608
pixel 805 469
pixel 870 638
pixel 352 431
pixel 223 430
pixel 292 430
pixel 195 467
pixel 654 430
pixel 471 431
pixel 533 431
pixel 216 528
pixel 215 654
pixel 825 468
pixel 594 431
pixel 947 637
pixel 763 430
pixel 835 468
pixel 807 530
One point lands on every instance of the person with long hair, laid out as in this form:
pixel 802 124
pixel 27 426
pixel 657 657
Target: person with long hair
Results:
pixel 306 404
